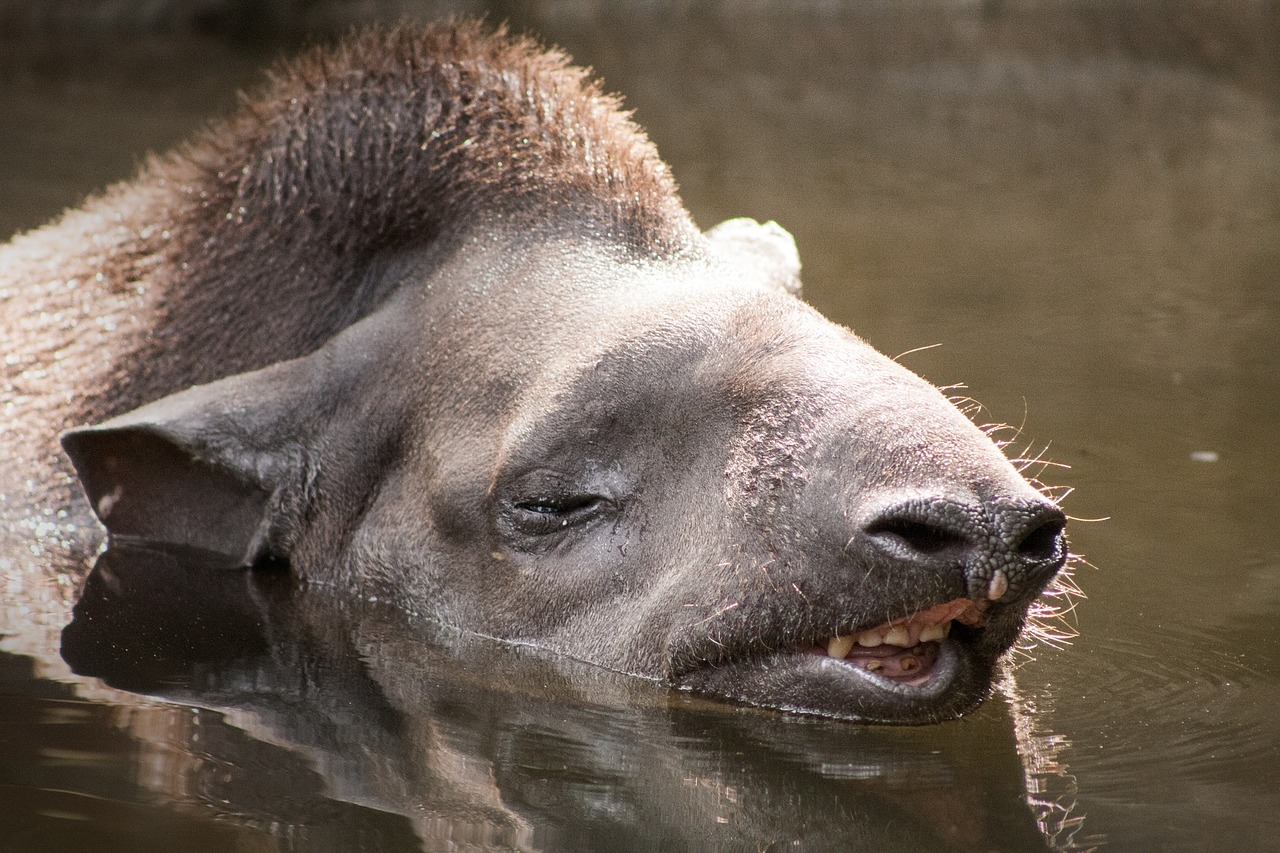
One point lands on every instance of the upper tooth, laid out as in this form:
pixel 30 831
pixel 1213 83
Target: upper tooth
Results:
pixel 998 585
pixel 933 632
pixel 894 635
pixel 839 647
pixel 898 636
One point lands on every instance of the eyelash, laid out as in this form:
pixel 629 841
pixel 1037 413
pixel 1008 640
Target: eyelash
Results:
pixel 543 515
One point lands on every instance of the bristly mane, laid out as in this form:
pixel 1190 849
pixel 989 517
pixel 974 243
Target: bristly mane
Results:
pixel 396 134
pixel 260 238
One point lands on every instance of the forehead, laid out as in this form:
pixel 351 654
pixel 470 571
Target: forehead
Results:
pixel 595 303
pixel 672 358
pixel 581 333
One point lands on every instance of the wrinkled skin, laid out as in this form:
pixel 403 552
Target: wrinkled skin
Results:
pixel 540 405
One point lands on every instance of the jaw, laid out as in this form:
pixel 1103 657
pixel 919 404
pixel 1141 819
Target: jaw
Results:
pixel 913 684
pixel 817 684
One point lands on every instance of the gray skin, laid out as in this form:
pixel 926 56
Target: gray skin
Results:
pixel 543 441
pixel 564 420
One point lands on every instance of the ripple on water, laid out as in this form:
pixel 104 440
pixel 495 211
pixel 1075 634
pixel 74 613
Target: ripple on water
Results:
pixel 1163 699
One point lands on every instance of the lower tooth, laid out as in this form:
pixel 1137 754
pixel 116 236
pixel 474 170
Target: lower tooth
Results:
pixel 874 666
pixel 909 664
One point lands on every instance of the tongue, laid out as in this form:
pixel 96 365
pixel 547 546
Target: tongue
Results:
pixel 895 662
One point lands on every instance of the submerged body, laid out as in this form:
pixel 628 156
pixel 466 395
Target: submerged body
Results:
pixel 429 322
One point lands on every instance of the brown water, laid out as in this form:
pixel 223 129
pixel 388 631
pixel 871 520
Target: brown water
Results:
pixel 1081 208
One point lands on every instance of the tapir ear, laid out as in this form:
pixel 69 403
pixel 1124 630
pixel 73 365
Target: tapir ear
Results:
pixel 205 467
pixel 768 249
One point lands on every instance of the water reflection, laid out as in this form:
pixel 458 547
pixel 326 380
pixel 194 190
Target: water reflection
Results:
pixel 344 724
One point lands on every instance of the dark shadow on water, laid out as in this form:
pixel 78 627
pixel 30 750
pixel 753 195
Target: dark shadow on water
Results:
pixel 345 726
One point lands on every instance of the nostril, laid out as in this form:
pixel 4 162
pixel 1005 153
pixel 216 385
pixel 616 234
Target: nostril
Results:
pixel 920 536
pixel 1043 542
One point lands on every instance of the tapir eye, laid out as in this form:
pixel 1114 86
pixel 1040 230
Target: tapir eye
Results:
pixel 540 515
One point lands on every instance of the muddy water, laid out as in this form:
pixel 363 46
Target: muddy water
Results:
pixel 1075 215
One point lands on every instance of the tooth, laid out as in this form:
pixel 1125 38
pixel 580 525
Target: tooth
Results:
pixel 998 585
pixel 933 632
pixel 907 664
pixel 874 666
pixel 869 639
pixel 839 647
pixel 898 636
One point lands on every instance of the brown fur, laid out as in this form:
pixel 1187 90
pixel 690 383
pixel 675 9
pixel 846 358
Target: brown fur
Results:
pixel 260 239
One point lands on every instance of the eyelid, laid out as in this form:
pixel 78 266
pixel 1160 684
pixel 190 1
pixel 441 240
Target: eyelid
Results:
pixel 542 502
pixel 556 505
pixel 543 517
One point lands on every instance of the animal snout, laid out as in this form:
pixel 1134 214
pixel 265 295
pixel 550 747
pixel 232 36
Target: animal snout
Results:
pixel 1004 547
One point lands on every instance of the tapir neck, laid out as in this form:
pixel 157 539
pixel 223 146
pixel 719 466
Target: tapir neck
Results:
pixel 280 227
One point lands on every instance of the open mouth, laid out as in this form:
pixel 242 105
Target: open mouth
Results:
pixel 904 650
pixel 930 665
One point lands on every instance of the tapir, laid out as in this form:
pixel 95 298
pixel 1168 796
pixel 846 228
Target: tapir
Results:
pixel 427 322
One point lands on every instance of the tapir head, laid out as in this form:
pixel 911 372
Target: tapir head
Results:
pixel 673 468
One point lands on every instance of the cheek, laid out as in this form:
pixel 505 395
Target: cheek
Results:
pixel 603 562
pixel 619 560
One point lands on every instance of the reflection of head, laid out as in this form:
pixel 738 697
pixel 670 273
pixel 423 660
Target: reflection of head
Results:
pixel 507 747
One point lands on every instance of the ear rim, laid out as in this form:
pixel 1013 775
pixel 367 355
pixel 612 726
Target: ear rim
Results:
pixel 207 467
pixel 176 498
